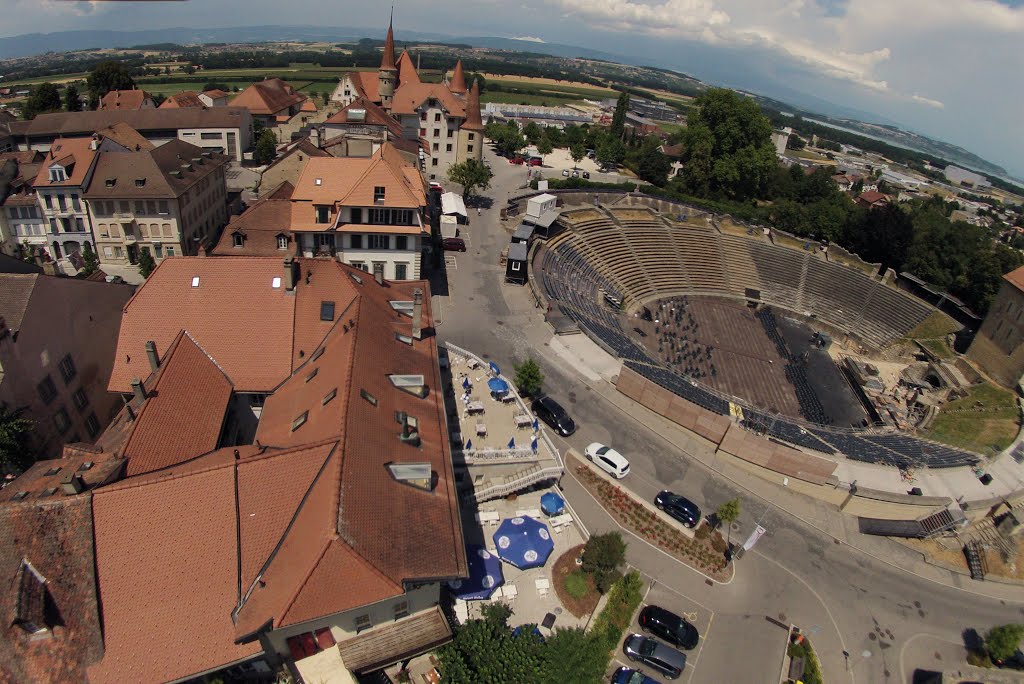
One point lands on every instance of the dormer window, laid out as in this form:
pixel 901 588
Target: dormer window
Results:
pixel 323 214
pixel 110 182
pixel 413 384
pixel 418 475
pixel 57 174
pixel 282 242
pixel 237 239
pixel 140 182
pixel 378 193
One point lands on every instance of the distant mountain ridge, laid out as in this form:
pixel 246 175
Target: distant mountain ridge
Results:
pixel 26 45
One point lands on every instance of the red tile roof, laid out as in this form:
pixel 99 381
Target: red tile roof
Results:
pixel 126 136
pixel 374 116
pixel 473 121
pixel 234 313
pixel 387 60
pixel 184 415
pixel 185 98
pixel 56 538
pixel 124 99
pixel 260 226
pixel 167 566
pixel 268 98
pixel 406 70
pixel 75 155
pixel 458 82
pixel 409 97
pixel 1016 278
pixel 368 82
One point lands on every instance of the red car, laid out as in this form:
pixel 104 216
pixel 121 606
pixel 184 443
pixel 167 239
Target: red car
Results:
pixel 517 160
pixel 453 244
pixel 436 187
pixel 535 161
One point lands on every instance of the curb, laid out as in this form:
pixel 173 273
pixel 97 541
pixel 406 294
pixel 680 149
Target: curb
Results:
pixel 644 541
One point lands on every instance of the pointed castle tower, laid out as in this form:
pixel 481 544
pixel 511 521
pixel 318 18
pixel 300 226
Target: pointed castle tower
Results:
pixel 458 82
pixel 388 73
pixel 471 133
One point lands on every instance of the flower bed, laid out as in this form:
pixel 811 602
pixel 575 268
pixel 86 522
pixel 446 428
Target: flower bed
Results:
pixel 704 552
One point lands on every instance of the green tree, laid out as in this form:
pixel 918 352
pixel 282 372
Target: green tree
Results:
pixel 533 132
pixel 619 117
pixel 216 85
pixel 14 434
pixel 653 167
pixel 91 262
pixel 484 650
pixel 571 656
pixel 795 142
pixel 107 76
pixel 611 152
pixel 728 513
pixel 72 99
pixel 577 151
pixel 529 378
pixel 1003 641
pixel 146 262
pixel 728 149
pixel 603 556
pixel 471 174
pixel 325 96
pixel 544 148
pixel 45 98
pixel 266 147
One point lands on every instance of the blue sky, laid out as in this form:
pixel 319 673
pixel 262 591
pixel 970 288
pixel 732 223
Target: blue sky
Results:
pixel 950 69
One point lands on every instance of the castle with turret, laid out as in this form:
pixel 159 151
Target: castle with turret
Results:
pixel 444 118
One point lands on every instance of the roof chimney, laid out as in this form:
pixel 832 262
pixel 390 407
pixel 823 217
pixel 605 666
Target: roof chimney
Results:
pixel 289 273
pixel 154 358
pixel 378 275
pixel 138 390
pixel 417 313
pixel 72 483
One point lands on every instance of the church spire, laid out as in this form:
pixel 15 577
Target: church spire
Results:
pixel 473 121
pixel 388 74
pixel 388 60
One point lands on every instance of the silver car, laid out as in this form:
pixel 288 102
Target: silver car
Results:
pixel 656 655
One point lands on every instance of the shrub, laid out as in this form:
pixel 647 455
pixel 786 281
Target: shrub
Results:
pixel 576 584
pixel 584 184
pixel 603 555
pixel 1003 641
pixel 529 378
pixel 979 659
pixel 702 532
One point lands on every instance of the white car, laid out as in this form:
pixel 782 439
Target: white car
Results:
pixel 608 460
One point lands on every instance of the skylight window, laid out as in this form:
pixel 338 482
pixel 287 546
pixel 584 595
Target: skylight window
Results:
pixel 319 181
pixel 312 375
pixel 418 475
pixel 300 421
pixel 329 396
pixel 413 384
pixel 404 339
pixel 276 283
pixel 368 397
pixel 326 311
pixel 195 281
pixel 317 354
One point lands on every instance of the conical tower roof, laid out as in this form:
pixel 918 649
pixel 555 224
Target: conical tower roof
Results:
pixel 458 83
pixel 473 121
pixel 388 60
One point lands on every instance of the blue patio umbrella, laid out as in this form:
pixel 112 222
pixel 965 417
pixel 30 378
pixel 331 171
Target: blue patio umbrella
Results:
pixel 485 575
pixel 536 425
pixel 469 445
pixel 497 385
pixel 551 503
pixel 533 444
pixel 523 542
pixel 495 369
pixel 465 383
pixel 512 443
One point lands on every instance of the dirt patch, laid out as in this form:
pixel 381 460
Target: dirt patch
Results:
pixel 949 555
pixel 565 566
pixel 634 214
pixel 581 215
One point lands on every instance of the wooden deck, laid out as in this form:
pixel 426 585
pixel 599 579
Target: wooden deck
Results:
pixel 387 644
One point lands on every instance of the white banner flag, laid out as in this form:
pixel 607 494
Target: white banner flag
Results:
pixel 754 536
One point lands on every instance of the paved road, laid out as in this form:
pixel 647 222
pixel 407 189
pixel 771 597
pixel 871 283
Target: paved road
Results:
pixel 841 597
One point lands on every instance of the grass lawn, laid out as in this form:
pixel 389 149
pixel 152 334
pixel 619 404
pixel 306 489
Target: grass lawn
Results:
pixel 939 348
pixel 985 421
pixel 936 326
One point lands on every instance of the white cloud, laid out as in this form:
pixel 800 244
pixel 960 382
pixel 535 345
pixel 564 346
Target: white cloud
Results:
pixel 927 101
pixel 529 39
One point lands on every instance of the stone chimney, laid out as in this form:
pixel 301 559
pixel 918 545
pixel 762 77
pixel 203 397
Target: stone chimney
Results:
pixel 72 484
pixel 138 390
pixel 417 314
pixel 289 273
pixel 154 358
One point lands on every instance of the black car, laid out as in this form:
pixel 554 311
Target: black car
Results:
pixel 679 507
pixel 552 413
pixel 669 626
pixel 654 654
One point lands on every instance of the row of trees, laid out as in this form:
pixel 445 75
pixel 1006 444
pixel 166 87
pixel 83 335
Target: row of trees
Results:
pixel 106 76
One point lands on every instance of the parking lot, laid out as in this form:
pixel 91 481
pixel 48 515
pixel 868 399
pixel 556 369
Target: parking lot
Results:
pixel 690 610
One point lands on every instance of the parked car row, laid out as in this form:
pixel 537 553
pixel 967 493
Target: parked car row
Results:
pixel 665 658
pixel 575 173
